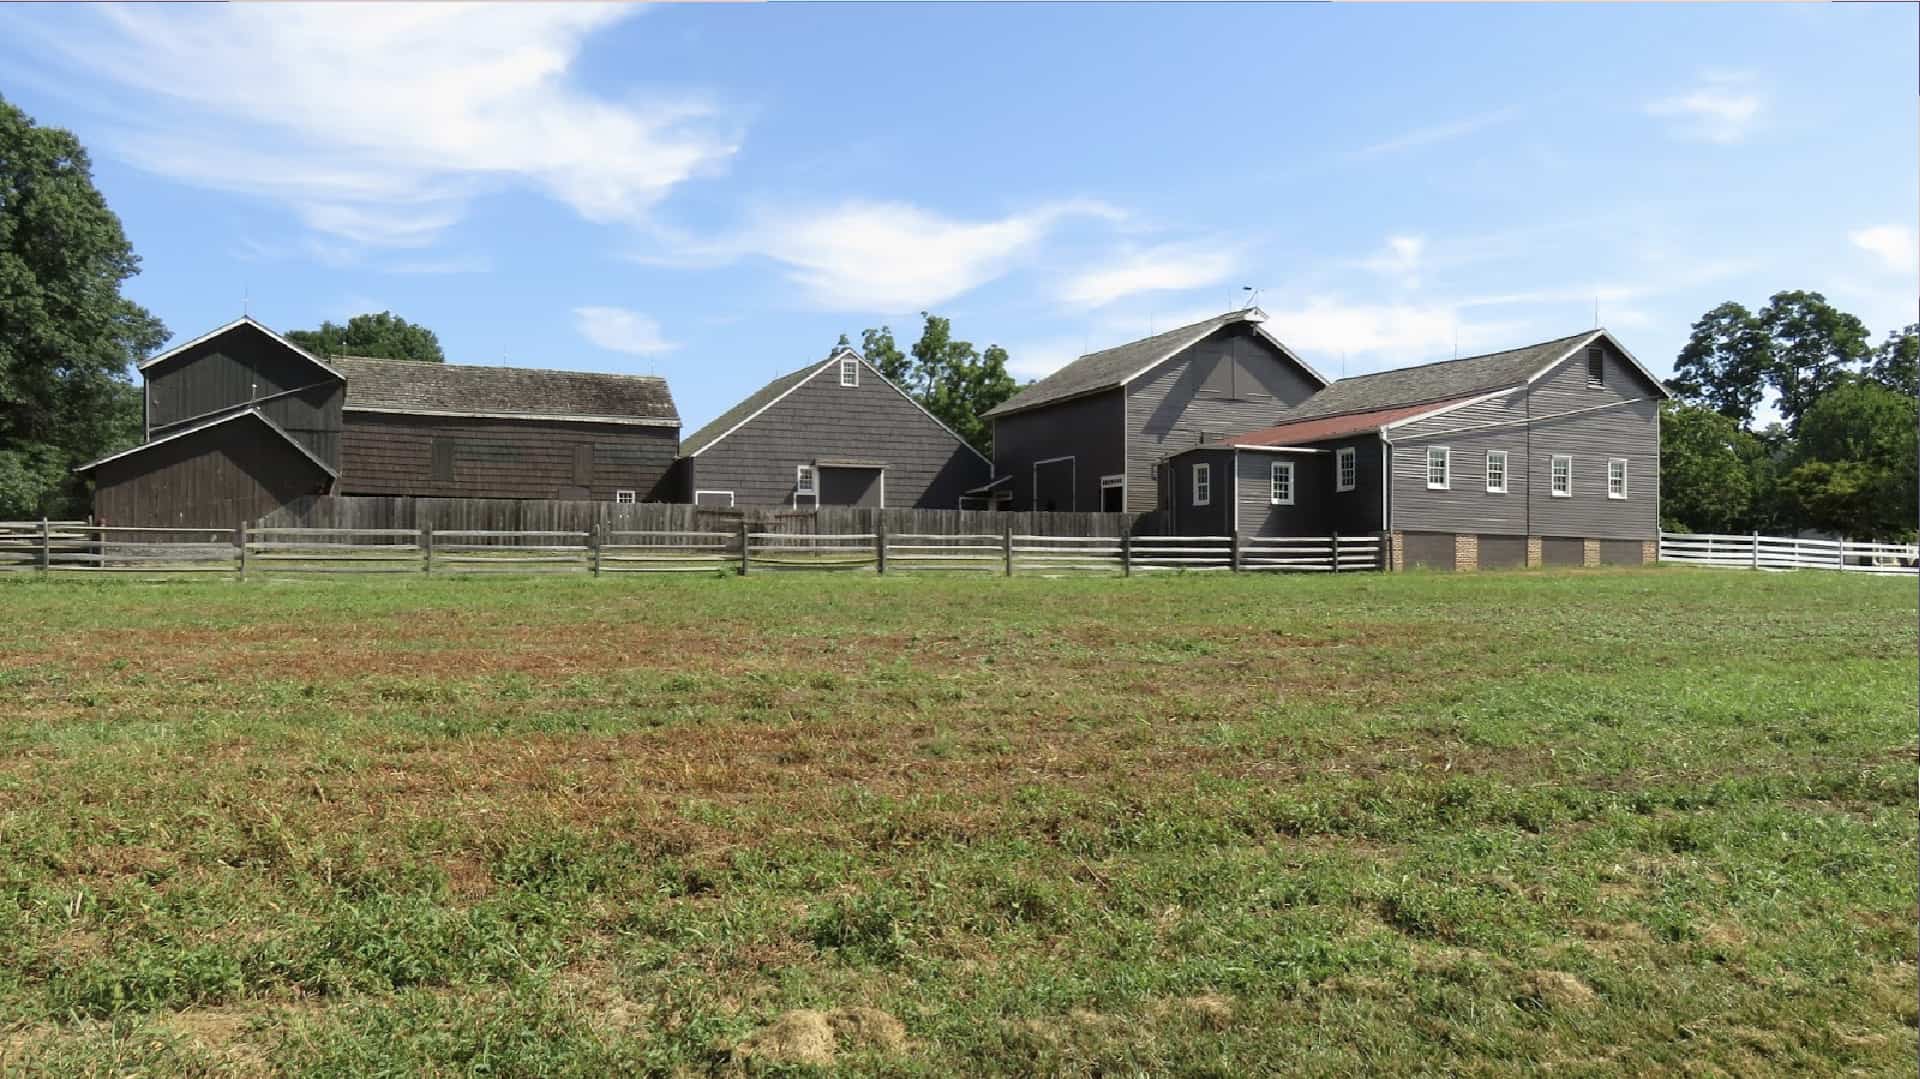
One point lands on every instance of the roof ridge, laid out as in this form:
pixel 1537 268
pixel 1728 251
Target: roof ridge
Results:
pixel 1467 359
pixel 450 365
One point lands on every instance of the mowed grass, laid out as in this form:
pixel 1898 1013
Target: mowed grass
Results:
pixel 1595 821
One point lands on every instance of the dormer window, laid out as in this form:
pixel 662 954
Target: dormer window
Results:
pixel 849 371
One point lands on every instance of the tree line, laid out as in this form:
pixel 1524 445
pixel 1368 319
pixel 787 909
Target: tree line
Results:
pixel 1789 418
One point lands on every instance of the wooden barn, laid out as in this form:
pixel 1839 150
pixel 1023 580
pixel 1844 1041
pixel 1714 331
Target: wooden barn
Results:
pixel 240 421
pixel 833 433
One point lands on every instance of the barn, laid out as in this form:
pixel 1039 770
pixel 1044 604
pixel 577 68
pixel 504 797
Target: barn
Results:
pixel 240 421
pixel 833 433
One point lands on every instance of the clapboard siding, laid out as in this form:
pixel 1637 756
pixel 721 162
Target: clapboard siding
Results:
pixel 1312 489
pixel 242 366
pixel 214 478
pixel 1227 383
pixel 1360 510
pixel 1216 517
pixel 926 465
pixel 393 454
pixel 1090 429
pixel 1632 432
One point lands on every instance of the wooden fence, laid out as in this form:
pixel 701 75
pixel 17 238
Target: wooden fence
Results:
pixel 1754 551
pixel 276 550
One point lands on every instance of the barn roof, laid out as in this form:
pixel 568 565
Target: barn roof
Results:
pixel 1121 364
pixel 446 389
pixel 231 417
pixel 1349 423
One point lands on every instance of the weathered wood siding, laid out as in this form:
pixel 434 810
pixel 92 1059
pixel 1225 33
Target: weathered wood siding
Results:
pixel 1558 414
pixel 215 478
pixel 1361 510
pixel 394 454
pixel 1229 383
pixel 1090 429
pixel 926 465
pixel 1216 517
pixel 1311 513
pixel 242 366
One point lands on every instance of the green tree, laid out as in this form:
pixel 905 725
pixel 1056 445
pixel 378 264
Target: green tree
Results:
pixel 1858 462
pixel 384 336
pixel 878 347
pixel 1812 346
pixel 1896 363
pixel 1725 363
pixel 949 378
pixel 1706 475
pixel 67 335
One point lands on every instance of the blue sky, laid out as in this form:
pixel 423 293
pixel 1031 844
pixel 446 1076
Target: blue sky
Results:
pixel 715 192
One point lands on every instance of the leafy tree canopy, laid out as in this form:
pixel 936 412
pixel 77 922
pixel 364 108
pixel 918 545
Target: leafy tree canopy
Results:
pixel 1859 462
pixel 1706 484
pixel 1896 363
pixel 950 378
pixel 67 335
pixel 384 336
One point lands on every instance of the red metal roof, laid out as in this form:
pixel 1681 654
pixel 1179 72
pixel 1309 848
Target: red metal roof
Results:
pixel 1325 427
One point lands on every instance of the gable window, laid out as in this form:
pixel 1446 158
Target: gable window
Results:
pixel 1562 475
pixel 1280 483
pixel 1202 485
pixel 849 371
pixel 1439 468
pixel 1496 472
pixel 623 498
pixel 1596 366
pixel 1346 470
pixel 1616 477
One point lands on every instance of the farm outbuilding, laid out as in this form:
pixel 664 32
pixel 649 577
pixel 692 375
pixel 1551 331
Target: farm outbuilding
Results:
pixel 833 433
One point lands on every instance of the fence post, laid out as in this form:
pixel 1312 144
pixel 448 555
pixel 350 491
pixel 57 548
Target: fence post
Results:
pixel 46 546
pixel 1756 550
pixel 1842 554
pixel 426 548
pixel 1126 551
pixel 1336 551
pixel 593 545
pixel 240 535
pixel 743 548
pixel 1233 550
pixel 1006 547
pixel 880 547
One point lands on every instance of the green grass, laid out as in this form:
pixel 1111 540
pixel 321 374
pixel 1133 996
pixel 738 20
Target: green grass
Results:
pixel 1598 821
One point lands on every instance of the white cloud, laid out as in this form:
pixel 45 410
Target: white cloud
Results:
pixel 891 256
pixel 1723 107
pixel 1161 269
pixel 377 123
pixel 1038 359
pixel 1400 260
pixel 1403 333
pixel 1445 132
pixel 621 330
pixel 1893 245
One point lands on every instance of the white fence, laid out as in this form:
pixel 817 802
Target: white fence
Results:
pixel 1754 551
pixel 55 547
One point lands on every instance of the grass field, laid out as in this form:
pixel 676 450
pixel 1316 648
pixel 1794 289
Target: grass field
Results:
pixel 1597 821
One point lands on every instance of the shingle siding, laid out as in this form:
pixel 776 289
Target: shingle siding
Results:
pixel 215 478
pixel 926 465
pixel 241 366
pixel 390 454
pixel 1091 429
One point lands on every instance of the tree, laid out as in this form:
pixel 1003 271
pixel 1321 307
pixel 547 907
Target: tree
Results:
pixel 1858 462
pixel 1725 363
pixel 383 336
pixel 67 335
pixel 1706 482
pixel 1812 345
pixel 949 378
pixel 878 347
pixel 1896 363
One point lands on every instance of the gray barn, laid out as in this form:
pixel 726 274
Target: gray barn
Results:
pixel 833 433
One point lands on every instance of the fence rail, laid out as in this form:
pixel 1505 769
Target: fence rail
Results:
pixel 1754 551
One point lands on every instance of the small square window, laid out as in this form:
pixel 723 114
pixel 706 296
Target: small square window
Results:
pixel 1202 485
pixel 1346 469
pixel 624 498
pixel 1280 482
pixel 1496 472
pixel 1562 476
pixel 1617 477
pixel 849 371
pixel 1439 468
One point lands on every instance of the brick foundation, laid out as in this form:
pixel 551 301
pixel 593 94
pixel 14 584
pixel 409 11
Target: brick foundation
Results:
pixel 1649 552
pixel 1534 557
pixel 1396 552
pixel 1466 553
pixel 1590 554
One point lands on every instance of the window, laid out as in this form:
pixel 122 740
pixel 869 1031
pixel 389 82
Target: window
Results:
pixel 1202 485
pixel 1596 366
pixel 713 498
pixel 1562 476
pixel 1113 494
pixel 1439 468
pixel 1616 477
pixel 849 371
pixel 1280 483
pixel 1496 472
pixel 803 481
pixel 623 498
pixel 1346 470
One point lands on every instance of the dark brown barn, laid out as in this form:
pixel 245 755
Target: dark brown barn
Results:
pixel 241 420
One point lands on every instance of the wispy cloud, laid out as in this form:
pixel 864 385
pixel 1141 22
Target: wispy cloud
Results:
pixel 618 329
pixel 1397 333
pixel 1400 260
pixel 1722 107
pixel 1893 245
pixel 377 124
pixel 1435 133
pixel 1169 268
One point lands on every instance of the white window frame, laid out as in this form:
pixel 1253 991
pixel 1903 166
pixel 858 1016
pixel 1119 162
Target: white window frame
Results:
pixel 697 494
pixel 1274 472
pixel 849 371
pixel 625 498
pixel 1553 475
pixel 1446 468
pixel 1203 482
pixel 1501 489
pixel 1622 462
pixel 806 484
pixel 1107 483
pixel 1346 469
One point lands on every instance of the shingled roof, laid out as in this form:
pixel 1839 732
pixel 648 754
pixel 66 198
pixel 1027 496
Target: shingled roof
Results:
pixel 446 389
pixel 1121 364
pixel 1437 382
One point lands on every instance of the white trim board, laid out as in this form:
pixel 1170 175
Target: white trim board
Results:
pixel 698 493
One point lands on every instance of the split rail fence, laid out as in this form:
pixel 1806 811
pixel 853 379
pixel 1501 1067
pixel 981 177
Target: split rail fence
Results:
pixel 1754 551
pixel 77 547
